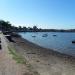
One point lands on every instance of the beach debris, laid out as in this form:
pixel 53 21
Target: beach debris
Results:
pixel 37 61
pixel 44 35
pixel 9 37
pixel 0 46
pixel 14 34
pixel 0 40
pixel 31 53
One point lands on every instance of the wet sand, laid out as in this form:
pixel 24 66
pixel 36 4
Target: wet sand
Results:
pixel 45 61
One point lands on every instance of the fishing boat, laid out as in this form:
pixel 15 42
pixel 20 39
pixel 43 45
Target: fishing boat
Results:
pixel 44 35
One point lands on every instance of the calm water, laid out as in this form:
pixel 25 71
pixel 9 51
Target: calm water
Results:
pixel 61 43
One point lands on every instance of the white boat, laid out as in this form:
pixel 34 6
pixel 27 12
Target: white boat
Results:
pixel 33 36
pixel 44 35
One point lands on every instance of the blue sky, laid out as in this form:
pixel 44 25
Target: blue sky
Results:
pixel 56 14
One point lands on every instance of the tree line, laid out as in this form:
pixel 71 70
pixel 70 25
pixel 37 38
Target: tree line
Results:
pixel 7 26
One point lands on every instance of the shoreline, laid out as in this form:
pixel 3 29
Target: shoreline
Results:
pixel 44 61
pixel 33 45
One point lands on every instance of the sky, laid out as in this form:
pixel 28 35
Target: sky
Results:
pixel 51 14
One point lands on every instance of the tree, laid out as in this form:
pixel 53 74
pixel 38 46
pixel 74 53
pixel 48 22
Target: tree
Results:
pixel 5 25
pixel 24 28
pixel 20 28
pixel 35 28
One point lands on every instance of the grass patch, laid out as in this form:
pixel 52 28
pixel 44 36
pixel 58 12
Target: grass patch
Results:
pixel 16 56
pixel 0 32
pixel 21 60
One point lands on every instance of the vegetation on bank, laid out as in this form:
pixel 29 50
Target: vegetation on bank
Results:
pixel 21 60
pixel 7 26
pixel 16 56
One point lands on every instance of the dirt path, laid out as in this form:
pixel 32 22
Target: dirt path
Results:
pixel 8 66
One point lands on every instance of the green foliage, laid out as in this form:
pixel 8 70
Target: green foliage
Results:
pixel 21 60
pixel 17 57
pixel 5 25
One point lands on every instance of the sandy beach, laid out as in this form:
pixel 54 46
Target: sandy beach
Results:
pixel 44 61
pixel 8 66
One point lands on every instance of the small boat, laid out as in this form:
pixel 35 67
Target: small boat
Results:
pixel 73 41
pixel 45 35
pixel 33 36
pixel 54 35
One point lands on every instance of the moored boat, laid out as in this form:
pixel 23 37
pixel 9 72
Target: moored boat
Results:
pixel 44 35
pixel 73 41
pixel 33 36
pixel 54 35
